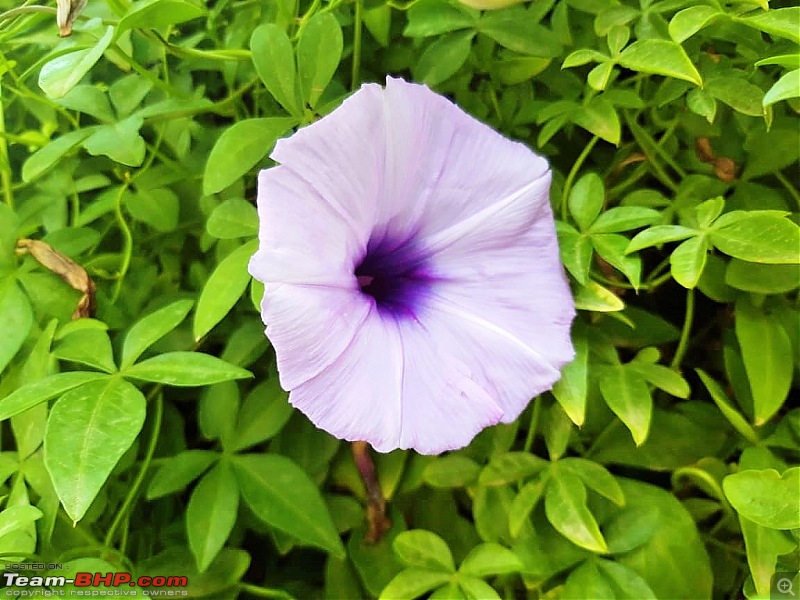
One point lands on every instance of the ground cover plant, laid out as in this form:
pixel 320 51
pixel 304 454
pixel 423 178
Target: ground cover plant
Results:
pixel 144 429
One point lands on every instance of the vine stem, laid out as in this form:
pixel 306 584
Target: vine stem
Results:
pixel 534 425
pixel 358 25
pixel 262 592
pixel 158 403
pixel 573 173
pixel 127 237
pixel 683 343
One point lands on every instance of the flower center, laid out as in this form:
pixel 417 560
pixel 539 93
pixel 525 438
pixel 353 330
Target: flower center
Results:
pixel 394 275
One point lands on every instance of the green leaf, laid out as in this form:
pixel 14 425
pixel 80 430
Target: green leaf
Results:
pixel 624 218
pixel 583 56
pixel 596 298
pixel 490 559
pixel 519 30
pixel 319 51
pixel 148 330
pixel 233 218
pixel 760 238
pixel 765 497
pixel 273 57
pixel 599 117
pixel 626 393
pixel 281 494
pixel 788 86
pixel 595 476
pixel 157 208
pixel 240 148
pixel 565 507
pixel 631 528
pixel 575 250
pixel 223 289
pixel 660 57
pixel 611 247
pixel 690 20
pixel 586 582
pixel 738 93
pixel 178 471
pixel 510 466
pixel 451 471
pixel 88 431
pixel 16 318
pixel 770 151
pixel 475 589
pixel 727 408
pixel 435 17
pixel 523 505
pixel 657 235
pixel 43 390
pixel 688 260
pixel 90 100
pixel 412 583
pixel 761 278
pixel 61 74
pixel 444 57
pixel 662 377
pixel 586 199
pixel 185 369
pixel 764 546
pixel 767 355
pixel 14 518
pixel 120 142
pixel 423 549
pixel 90 347
pixel 265 411
pixel 155 14
pixel 779 22
pixel 48 155
pixel 702 103
pixel 571 390
pixel 211 514
pixel 626 583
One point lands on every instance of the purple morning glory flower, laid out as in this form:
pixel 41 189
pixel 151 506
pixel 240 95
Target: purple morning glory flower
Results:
pixel 413 289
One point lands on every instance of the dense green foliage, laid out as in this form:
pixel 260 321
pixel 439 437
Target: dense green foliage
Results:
pixel 154 438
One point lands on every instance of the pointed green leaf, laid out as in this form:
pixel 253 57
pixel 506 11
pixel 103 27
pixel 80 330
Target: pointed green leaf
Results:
pixel 660 57
pixel 425 550
pixel 319 51
pixel 211 514
pixel 89 429
pixel 148 330
pixel 223 289
pixel 565 507
pixel 627 394
pixel 185 369
pixel 281 494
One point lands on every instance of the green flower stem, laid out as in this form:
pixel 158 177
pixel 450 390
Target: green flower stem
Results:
pixel 683 342
pixel 5 165
pixel 158 413
pixel 642 170
pixel 22 10
pixel 573 173
pixel 653 151
pixel 789 188
pixel 262 592
pixel 127 241
pixel 534 424
pixel 358 25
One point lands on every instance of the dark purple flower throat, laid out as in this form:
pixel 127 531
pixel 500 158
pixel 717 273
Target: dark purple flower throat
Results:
pixel 394 274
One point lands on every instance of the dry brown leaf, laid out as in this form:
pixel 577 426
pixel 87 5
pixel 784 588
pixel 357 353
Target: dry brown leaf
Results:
pixel 64 267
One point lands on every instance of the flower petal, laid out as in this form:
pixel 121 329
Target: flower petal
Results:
pixel 310 327
pixel 302 239
pixel 357 397
pixel 342 157
pixel 442 165
pixel 396 386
